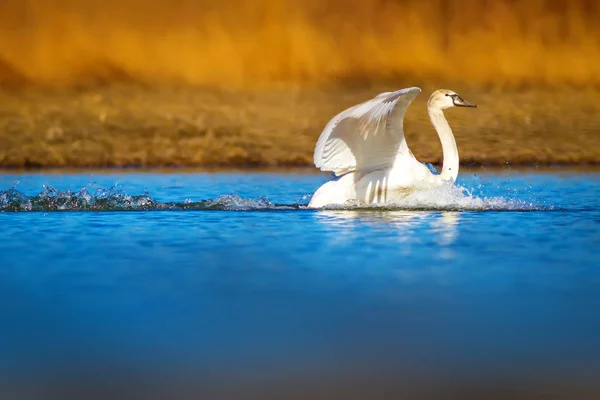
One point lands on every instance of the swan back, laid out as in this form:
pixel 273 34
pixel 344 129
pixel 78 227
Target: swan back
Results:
pixel 367 136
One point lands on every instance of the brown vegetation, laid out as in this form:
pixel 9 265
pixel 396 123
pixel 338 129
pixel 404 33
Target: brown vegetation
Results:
pixel 247 43
pixel 203 82
pixel 135 126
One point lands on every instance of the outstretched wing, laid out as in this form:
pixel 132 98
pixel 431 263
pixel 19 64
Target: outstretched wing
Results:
pixel 366 136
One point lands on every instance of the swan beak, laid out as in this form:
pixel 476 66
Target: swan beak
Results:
pixel 460 102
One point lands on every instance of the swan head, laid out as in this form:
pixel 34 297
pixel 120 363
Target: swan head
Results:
pixel 443 99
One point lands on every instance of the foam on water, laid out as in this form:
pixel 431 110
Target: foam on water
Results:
pixel 448 197
pixel 451 198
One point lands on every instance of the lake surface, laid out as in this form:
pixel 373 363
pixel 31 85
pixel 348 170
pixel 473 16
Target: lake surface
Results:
pixel 224 283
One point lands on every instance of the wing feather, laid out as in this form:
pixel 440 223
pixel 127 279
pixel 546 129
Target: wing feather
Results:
pixel 367 136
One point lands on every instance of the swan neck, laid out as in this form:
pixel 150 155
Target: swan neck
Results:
pixel 450 151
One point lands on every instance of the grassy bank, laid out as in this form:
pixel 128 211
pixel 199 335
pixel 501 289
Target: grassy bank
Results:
pixel 190 126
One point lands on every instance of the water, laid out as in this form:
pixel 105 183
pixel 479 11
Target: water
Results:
pixel 226 284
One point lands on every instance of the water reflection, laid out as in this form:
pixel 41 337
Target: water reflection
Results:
pixel 446 227
pixel 405 226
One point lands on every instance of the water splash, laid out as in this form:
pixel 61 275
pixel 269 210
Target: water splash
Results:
pixel 451 198
pixel 114 199
pixel 51 199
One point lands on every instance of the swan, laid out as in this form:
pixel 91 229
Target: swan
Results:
pixel 365 149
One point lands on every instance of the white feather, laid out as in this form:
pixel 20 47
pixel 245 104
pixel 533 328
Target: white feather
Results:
pixel 367 136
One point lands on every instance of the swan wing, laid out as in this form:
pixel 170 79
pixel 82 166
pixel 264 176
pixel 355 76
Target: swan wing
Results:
pixel 367 136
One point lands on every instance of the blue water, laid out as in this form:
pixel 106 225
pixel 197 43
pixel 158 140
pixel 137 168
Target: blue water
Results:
pixel 228 274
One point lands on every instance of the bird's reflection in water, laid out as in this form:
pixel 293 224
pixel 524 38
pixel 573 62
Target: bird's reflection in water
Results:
pixel 445 230
pixel 422 240
pixel 445 226
pixel 409 227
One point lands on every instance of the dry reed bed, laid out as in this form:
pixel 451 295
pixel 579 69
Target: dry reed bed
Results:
pixel 188 126
pixel 253 43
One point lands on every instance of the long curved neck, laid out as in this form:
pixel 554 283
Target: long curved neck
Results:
pixel 450 152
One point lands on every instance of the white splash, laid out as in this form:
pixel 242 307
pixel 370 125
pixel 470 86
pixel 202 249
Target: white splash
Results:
pixel 446 198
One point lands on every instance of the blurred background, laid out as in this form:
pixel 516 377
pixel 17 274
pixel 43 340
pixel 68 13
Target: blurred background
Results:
pixel 197 82
pixel 243 44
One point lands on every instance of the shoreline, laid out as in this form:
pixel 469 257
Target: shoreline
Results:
pixel 304 170
pixel 131 127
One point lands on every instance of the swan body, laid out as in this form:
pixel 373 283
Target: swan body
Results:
pixel 365 148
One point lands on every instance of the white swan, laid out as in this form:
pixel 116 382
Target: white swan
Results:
pixel 365 148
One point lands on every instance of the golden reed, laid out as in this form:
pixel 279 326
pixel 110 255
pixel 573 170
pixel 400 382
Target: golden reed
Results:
pixel 247 43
